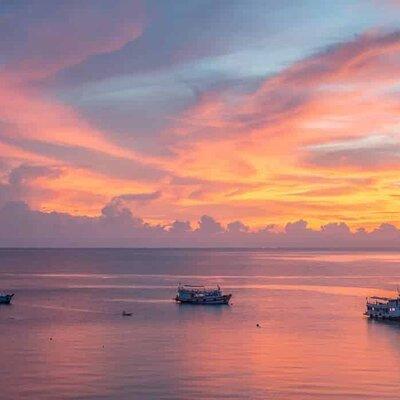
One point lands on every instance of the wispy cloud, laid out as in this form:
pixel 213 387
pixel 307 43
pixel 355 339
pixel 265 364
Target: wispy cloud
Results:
pixel 46 37
pixel 370 152
pixel 202 109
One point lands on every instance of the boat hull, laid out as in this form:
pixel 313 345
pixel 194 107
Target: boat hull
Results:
pixel 224 299
pixel 383 317
pixel 6 299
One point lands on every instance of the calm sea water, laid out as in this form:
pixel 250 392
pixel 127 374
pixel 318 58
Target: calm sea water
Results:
pixel 64 336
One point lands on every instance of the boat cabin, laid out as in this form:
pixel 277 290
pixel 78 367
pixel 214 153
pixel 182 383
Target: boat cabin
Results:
pixel 383 307
pixel 201 295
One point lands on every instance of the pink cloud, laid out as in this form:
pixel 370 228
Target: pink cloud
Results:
pixel 231 149
pixel 337 84
pixel 52 36
pixel 21 226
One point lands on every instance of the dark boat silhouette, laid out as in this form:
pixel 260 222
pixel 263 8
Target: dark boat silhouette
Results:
pixel 126 314
pixel 6 298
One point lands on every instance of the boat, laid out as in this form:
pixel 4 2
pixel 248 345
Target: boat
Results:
pixel 126 314
pixel 6 298
pixel 201 295
pixel 383 307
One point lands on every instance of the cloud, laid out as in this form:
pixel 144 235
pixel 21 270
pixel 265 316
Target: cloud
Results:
pixel 208 225
pixel 22 226
pixel 45 37
pixel 25 173
pixel 303 92
pixel 118 207
pixel 370 152
pixel 315 120
pixel 21 183
pixel 340 230
pixel 251 142
pixel 237 227
pixel 50 122
pixel 295 228
pixel 139 197
pixel 180 227
pixel 189 31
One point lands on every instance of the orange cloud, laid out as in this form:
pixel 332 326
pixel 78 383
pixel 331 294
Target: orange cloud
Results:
pixel 298 146
pixel 32 116
pixel 339 95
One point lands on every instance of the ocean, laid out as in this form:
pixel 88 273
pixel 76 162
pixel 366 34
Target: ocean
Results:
pixel 64 336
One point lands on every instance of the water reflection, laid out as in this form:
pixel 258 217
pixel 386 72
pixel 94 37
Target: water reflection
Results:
pixel 64 337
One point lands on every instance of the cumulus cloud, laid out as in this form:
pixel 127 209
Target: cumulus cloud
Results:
pixel 180 227
pixel 237 227
pixel 118 211
pixel 22 226
pixel 208 225
pixel 335 229
pixel 297 227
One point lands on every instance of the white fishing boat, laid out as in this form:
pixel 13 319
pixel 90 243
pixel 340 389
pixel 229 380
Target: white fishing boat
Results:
pixel 5 298
pixel 201 295
pixel 383 307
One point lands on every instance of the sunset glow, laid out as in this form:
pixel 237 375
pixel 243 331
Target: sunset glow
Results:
pixel 264 113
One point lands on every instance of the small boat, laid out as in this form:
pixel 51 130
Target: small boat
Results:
pixel 6 298
pixel 126 314
pixel 383 307
pixel 201 295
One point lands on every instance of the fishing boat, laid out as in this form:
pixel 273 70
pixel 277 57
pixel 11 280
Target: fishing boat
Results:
pixel 5 298
pixel 201 295
pixel 383 307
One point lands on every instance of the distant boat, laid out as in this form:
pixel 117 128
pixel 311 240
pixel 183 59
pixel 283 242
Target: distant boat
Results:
pixel 383 307
pixel 6 298
pixel 201 295
pixel 126 314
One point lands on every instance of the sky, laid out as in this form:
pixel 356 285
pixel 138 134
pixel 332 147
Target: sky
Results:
pixel 199 122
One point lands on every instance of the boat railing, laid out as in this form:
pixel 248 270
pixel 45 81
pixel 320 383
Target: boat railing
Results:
pixel 198 288
pixel 381 300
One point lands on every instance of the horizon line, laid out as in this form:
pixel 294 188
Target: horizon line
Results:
pixel 237 248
